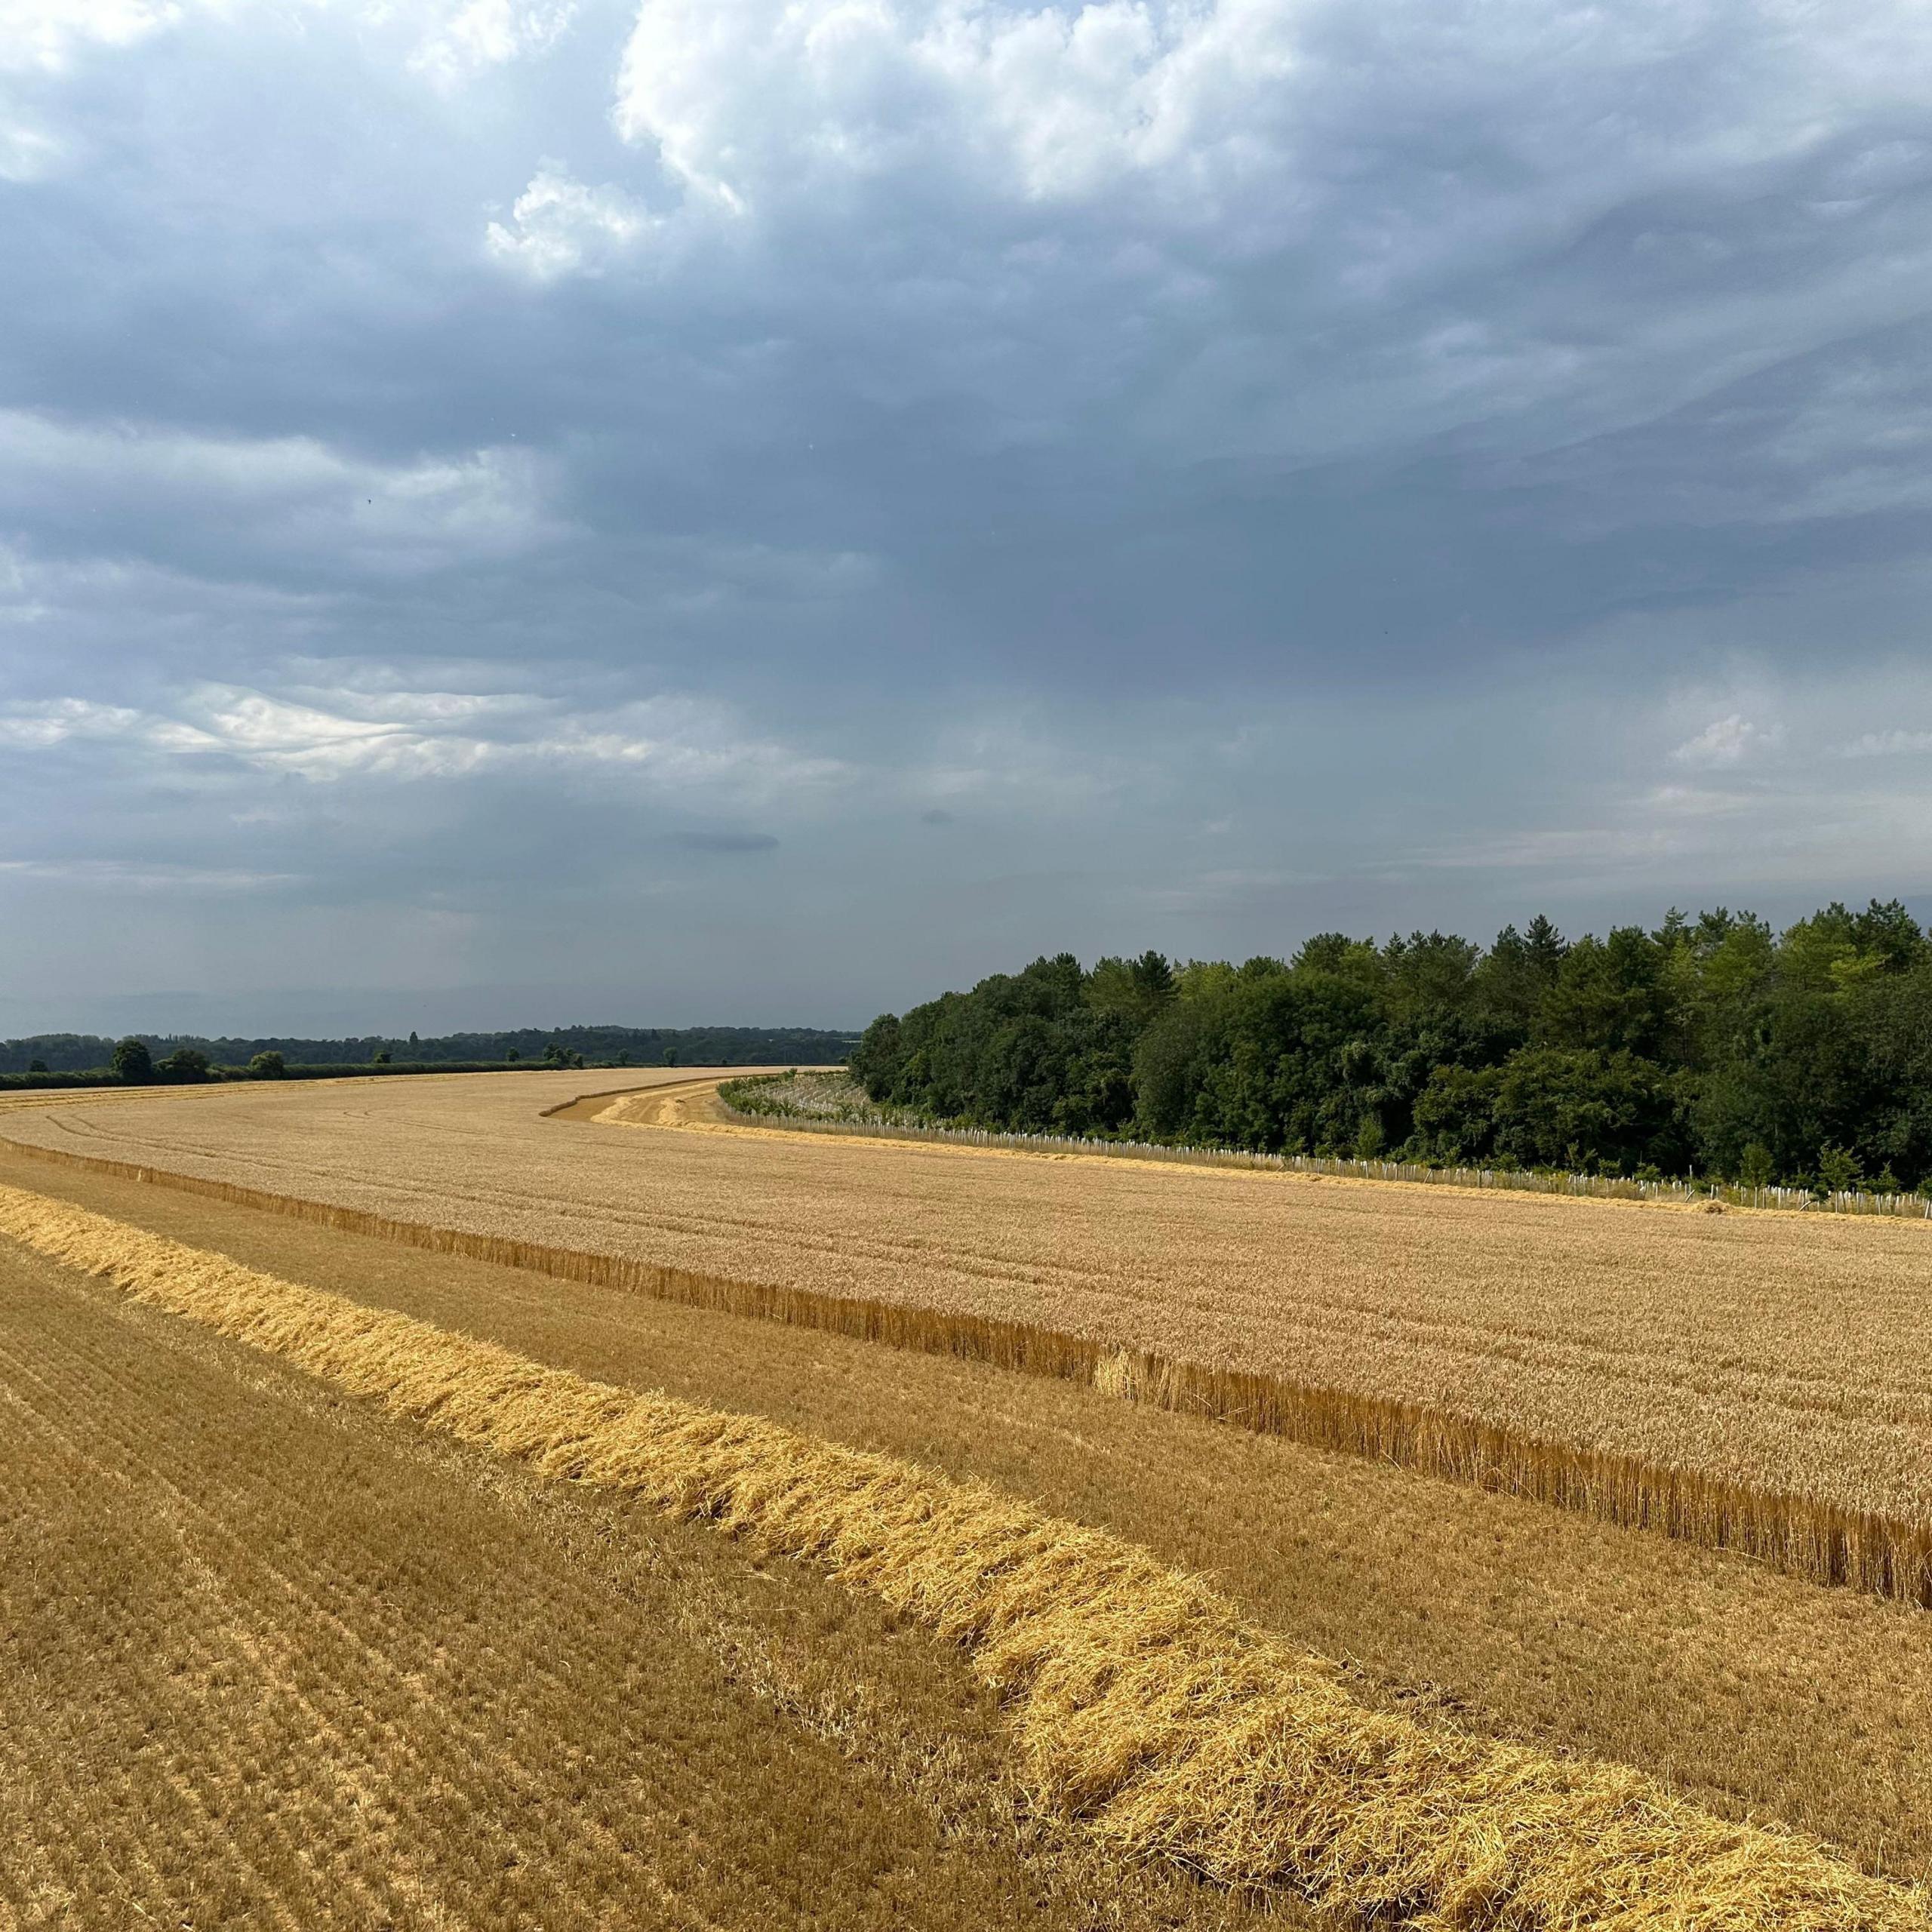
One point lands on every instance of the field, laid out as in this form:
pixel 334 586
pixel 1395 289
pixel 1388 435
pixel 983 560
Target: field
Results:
pixel 275 1655
pixel 1779 1354
pixel 1139 1703
pixel 273 1659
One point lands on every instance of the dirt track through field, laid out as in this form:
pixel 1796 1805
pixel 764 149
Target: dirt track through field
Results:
pixel 676 1103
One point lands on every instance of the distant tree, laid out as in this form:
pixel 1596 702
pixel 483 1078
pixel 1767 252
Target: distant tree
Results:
pixel 1837 1168
pixel 413 1041
pixel 1135 989
pixel 268 1065
pixel 1889 933
pixel 511 1053
pixel 184 1066
pixel 670 1056
pixel 1546 947
pixel 36 1067
pixel 1707 1044
pixel 133 1063
pixel 380 1057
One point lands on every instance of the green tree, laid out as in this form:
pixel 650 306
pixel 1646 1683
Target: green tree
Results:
pixel 1585 1109
pixel 380 1057
pixel 184 1066
pixel 1134 990
pixel 1455 1115
pixel 268 1066
pixel 1837 1168
pixel 133 1063
pixel 1688 1045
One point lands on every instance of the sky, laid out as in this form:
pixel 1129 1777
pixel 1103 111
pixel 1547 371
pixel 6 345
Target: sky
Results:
pixel 756 511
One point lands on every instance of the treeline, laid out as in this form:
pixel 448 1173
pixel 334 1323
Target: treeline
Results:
pixel 1710 1045
pixel 133 1065
pixel 48 1053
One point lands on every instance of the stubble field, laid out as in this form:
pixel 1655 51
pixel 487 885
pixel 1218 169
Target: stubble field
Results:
pixel 269 1658
pixel 248 1616
pixel 1785 1354
pixel 273 1656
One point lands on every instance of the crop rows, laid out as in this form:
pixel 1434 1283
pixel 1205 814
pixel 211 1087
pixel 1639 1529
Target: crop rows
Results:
pixel 1746 1379
pixel 273 1660
pixel 1139 1700
pixel 1753 1694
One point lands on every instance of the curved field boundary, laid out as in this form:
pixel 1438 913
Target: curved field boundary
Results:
pixel 587 1106
pixel 1822 1542
pixel 1140 1702
pixel 1511 1180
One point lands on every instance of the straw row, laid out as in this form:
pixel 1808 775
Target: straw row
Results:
pixel 1806 1536
pixel 1139 1701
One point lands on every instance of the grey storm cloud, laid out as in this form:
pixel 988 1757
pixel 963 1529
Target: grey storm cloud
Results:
pixel 1245 466
pixel 727 841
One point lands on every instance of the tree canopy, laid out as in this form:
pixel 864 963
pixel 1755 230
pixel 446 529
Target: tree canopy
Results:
pixel 1709 1044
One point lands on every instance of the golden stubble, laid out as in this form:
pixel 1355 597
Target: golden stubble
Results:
pixel 1139 1700
pixel 1782 1352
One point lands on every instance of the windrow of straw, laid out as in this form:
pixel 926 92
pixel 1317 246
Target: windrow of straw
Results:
pixel 1140 1702
pixel 1806 1536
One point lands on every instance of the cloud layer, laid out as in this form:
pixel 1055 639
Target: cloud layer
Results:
pixel 757 508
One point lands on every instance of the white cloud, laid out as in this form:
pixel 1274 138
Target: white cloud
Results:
pixel 36 726
pixel 741 96
pixel 26 153
pixel 481 34
pixel 1727 741
pixel 676 746
pixel 1060 103
pixel 295 495
pixel 46 34
pixel 1887 744
pixel 559 226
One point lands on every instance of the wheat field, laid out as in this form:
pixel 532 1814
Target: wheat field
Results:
pixel 1754 1695
pixel 1141 1704
pixel 1775 1354
pixel 272 1659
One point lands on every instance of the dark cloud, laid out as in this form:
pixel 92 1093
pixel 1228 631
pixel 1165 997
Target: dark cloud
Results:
pixel 1249 468
pixel 727 841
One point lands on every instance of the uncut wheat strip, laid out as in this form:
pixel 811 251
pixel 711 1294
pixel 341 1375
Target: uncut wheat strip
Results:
pixel 1139 1700
pixel 1802 1533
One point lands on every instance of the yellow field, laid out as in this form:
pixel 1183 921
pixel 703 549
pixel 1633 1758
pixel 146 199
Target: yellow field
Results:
pixel 1138 1702
pixel 253 1618
pixel 1782 1354
pixel 272 1660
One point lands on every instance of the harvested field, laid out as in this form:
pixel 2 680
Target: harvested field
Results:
pixel 1140 1702
pixel 272 1659
pixel 1781 1355
pixel 1755 1696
